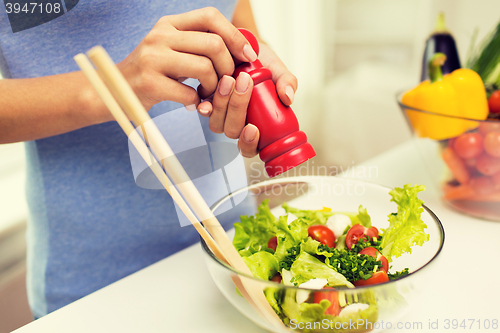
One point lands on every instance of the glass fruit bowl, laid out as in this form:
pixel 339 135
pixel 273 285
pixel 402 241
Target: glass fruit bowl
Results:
pixel 462 157
pixel 383 303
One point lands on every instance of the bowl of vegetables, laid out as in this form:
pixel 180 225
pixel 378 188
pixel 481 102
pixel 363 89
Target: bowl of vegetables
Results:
pixel 331 254
pixel 462 157
pixel 457 129
pixel 454 114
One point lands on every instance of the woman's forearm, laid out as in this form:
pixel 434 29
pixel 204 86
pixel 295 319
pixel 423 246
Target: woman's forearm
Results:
pixel 41 107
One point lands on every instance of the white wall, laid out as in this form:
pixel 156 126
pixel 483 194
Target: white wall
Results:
pixel 295 31
pixel 352 56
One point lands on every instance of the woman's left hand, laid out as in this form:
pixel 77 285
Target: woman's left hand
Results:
pixel 227 108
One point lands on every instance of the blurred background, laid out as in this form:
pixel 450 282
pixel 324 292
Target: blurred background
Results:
pixel 351 57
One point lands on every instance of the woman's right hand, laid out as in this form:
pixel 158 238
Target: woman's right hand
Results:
pixel 199 44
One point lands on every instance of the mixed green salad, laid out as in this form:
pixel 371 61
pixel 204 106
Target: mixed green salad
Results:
pixel 321 249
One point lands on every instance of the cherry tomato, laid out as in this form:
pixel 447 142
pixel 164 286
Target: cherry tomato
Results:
pixel 385 263
pixel 496 178
pixel 482 185
pixel 332 296
pixel 451 142
pixel 273 243
pixel 492 144
pixel 373 252
pixel 355 233
pixel 377 277
pixel 322 234
pixel 371 232
pixel 276 278
pixel 370 251
pixel 470 163
pixel 488 165
pixel 469 145
pixel 486 127
pixel 494 102
pixel 358 232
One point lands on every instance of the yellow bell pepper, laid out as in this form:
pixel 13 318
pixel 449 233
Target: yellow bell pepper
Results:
pixel 458 94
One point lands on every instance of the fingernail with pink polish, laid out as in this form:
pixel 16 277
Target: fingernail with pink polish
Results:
pixel 242 82
pixel 249 53
pixel 204 112
pixel 250 133
pixel 226 85
pixel 290 93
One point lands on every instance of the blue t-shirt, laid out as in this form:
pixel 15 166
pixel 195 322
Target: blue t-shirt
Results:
pixel 89 223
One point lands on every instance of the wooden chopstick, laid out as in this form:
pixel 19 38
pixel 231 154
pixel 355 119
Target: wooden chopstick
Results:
pixel 127 99
pixel 89 71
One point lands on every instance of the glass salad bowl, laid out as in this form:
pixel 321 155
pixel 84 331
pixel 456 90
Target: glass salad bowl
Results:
pixel 370 308
pixel 462 157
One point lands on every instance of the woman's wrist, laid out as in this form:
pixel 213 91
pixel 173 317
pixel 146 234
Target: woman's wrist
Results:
pixel 90 109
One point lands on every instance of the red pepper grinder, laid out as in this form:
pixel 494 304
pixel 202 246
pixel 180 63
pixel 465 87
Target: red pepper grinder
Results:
pixel 282 146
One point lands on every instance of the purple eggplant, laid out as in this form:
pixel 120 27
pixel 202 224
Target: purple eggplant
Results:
pixel 440 41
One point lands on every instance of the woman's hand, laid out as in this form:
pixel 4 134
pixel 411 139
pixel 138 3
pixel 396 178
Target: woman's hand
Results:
pixel 228 108
pixel 197 44
pixel 285 81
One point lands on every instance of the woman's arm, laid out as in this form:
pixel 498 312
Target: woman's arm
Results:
pixel 286 82
pixel 243 18
pixel 40 107
pixel 178 46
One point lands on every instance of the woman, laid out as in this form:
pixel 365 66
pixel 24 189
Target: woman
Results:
pixel 89 223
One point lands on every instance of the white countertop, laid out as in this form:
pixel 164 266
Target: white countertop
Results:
pixel 177 294
pixel 13 207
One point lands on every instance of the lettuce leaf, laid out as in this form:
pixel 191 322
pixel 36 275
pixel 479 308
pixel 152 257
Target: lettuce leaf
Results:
pixel 321 216
pixel 307 267
pixel 406 227
pixel 361 217
pixel 313 312
pixel 311 246
pixel 341 243
pixel 289 235
pixel 263 265
pixel 253 232
pixel 290 306
pixel 274 296
pixel 310 216
pixel 305 313
pixel 312 317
